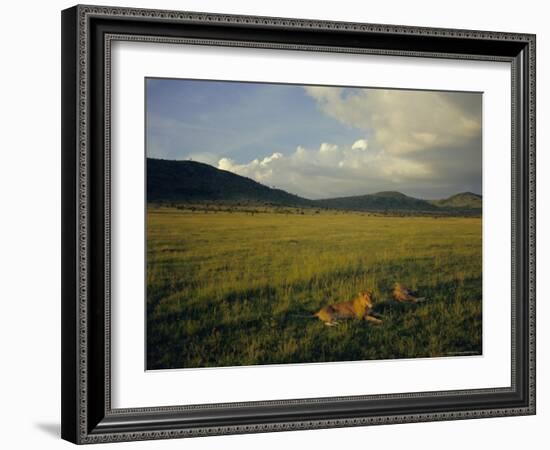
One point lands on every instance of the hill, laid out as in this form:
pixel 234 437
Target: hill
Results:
pixel 464 200
pixel 381 201
pixel 189 181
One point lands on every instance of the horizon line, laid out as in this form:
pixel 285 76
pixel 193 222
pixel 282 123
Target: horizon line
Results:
pixel 305 198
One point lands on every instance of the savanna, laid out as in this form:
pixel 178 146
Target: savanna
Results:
pixel 228 286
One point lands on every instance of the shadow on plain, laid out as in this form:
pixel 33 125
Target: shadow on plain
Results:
pixel 53 429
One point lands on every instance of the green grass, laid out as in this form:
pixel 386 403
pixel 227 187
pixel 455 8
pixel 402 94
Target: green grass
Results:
pixel 233 288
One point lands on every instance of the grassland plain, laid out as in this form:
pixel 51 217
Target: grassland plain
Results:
pixel 236 287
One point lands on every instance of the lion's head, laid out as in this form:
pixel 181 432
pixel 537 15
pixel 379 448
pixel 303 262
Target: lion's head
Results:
pixel 366 299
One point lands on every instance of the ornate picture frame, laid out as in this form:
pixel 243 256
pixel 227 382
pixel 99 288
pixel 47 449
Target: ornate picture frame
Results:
pixel 87 35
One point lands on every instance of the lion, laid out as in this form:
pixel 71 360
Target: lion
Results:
pixel 358 308
pixel 403 294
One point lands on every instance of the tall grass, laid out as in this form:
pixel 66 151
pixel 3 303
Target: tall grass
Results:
pixel 234 288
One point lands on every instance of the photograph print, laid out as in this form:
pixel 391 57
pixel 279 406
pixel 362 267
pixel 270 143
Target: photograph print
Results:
pixel 291 223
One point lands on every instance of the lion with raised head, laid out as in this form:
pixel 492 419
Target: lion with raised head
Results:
pixel 357 308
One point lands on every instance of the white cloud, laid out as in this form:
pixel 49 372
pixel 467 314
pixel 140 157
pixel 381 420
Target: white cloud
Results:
pixel 328 148
pixel 261 171
pixel 403 121
pixel 329 170
pixel 360 144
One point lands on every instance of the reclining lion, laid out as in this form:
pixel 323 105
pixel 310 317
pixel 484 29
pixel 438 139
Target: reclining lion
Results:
pixel 358 308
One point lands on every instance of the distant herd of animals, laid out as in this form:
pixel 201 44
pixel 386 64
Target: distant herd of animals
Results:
pixel 361 306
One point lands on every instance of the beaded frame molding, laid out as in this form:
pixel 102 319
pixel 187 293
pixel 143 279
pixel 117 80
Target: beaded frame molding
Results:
pixel 87 34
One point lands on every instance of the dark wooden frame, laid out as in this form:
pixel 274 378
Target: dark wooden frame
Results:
pixel 87 32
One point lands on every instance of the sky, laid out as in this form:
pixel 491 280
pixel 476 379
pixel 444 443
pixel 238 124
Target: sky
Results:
pixel 321 141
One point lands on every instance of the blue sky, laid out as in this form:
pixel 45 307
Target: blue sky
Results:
pixel 321 141
pixel 244 119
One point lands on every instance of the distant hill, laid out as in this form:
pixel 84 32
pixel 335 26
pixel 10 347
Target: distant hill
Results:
pixel 188 181
pixel 464 200
pixel 195 182
pixel 381 201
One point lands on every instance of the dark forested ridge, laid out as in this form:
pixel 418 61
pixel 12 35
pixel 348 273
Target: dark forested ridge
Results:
pixel 381 201
pixel 191 181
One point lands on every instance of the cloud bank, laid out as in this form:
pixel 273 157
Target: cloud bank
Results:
pixel 403 122
pixel 423 143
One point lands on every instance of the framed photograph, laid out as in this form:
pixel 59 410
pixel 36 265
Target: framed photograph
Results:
pixel 278 224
